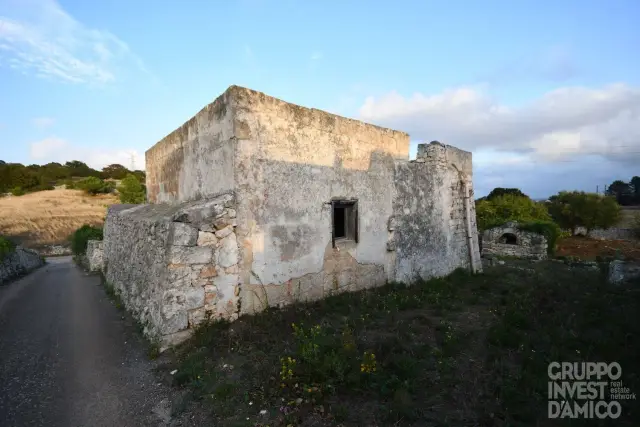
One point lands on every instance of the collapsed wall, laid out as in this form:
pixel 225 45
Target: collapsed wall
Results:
pixel 19 262
pixel 174 266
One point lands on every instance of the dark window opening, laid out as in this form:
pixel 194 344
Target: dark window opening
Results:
pixel 344 217
pixel 509 239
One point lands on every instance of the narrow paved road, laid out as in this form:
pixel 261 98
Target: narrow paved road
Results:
pixel 67 357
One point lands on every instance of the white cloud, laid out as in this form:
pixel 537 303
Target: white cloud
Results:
pixel 39 37
pixel 59 150
pixel 42 122
pixel 594 132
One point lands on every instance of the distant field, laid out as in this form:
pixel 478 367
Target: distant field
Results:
pixel 628 215
pixel 48 217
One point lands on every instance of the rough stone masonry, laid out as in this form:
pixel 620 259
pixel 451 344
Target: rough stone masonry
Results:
pixel 256 202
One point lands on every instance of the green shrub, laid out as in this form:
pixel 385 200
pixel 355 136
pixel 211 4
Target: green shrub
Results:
pixel 131 190
pixel 549 229
pixel 81 236
pixel 93 185
pixel 509 207
pixel 17 191
pixel 69 184
pixel 6 247
pixel 573 209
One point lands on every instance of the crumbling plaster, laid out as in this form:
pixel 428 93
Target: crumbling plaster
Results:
pixel 283 164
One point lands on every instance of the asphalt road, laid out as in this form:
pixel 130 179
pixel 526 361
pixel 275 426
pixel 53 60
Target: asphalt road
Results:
pixel 67 357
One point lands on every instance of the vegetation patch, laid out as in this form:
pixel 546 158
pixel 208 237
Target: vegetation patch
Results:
pixel 550 230
pixel 6 247
pixel 82 235
pixel 463 350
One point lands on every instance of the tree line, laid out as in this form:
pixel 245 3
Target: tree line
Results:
pixel 18 178
pixel 567 210
pixel 625 193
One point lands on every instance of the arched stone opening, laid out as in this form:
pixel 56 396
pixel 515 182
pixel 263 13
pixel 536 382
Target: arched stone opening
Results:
pixel 509 239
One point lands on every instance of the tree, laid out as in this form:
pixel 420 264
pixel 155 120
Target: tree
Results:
pixel 498 191
pixel 573 209
pixel 622 191
pixel 131 190
pixel 509 207
pixel 635 184
pixel 114 171
pixel 93 185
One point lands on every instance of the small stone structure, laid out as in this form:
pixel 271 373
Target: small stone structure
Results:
pixel 255 202
pixel 509 240
pixel 94 257
pixel 19 262
pixel 623 271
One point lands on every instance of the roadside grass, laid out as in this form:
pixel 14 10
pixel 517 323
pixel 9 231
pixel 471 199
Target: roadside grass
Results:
pixel 463 350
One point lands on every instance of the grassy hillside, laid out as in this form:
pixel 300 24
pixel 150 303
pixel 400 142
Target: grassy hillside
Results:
pixel 48 217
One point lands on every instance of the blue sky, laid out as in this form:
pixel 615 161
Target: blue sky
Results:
pixel 546 94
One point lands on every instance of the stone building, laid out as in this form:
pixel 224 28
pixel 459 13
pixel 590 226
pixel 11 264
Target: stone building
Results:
pixel 509 240
pixel 256 202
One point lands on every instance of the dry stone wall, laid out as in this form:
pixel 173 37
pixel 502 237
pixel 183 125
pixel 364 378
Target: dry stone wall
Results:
pixel 94 258
pixel 174 266
pixel 509 240
pixel 19 262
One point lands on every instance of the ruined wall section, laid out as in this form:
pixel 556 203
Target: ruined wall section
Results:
pixel 174 266
pixel 428 234
pixel 196 160
pixel 290 162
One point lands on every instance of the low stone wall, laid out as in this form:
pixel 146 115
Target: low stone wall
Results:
pixel 19 262
pixel 174 266
pixel 623 271
pixel 94 257
pixel 609 233
pixel 509 240
pixel 55 250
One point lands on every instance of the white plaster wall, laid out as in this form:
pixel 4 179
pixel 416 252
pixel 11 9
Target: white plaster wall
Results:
pixel 196 160
pixel 290 162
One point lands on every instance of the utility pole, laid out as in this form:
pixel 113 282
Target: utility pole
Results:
pixel 597 190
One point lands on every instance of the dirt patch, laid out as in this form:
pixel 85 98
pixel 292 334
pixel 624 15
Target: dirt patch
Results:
pixel 590 249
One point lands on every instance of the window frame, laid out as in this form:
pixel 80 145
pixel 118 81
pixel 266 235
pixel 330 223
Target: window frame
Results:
pixel 350 218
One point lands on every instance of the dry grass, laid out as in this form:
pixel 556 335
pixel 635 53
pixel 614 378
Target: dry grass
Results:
pixel 49 217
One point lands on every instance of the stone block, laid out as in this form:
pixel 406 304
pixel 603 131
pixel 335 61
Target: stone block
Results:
pixel 206 238
pixel 227 254
pixel 226 281
pixel 197 317
pixel 208 272
pixel 224 232
pixel 181 234
pixel 190 255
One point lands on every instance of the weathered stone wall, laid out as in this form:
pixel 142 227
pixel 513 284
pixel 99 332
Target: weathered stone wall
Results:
pixel 174 266
pixel 290 163
pixel 19 262
pixel 428 234
pixel 94 257
pixel 285 164
pixel 609 234
pixel 196 160
pixel 623 271
pixel 527 244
